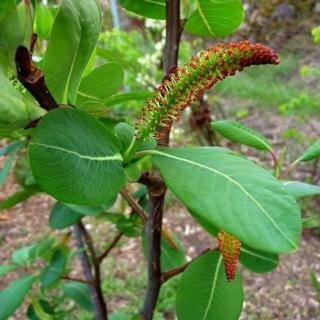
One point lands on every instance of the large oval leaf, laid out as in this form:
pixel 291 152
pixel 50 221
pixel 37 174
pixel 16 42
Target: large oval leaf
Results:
pixel 73 38
pixel 232 194
pixel 75 159
pixel 237 132
pixel 154 9
pixel 205 294
pixel 12 296
pixel 215 18
pixel 257 261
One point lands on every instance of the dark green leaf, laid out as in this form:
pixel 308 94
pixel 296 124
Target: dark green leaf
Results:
pixel 154 9
pixel 87 173
pixel 40 310
pixel 74 36
pixel 311 153
pixel 232 194
pixel 300 189
pixel 52 273
pixel 78 292
pixel 205 293
pixel 257 261
pixel 215 18
pixel 62 216
pixel 12 296
pixel 237 132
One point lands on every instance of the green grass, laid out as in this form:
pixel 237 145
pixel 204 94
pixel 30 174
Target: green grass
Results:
pixel 266 86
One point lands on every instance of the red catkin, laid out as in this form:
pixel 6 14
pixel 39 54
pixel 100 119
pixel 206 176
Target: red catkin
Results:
pixel 187 83
pixel 229 247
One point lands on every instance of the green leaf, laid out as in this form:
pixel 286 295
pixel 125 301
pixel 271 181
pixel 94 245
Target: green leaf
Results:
pixel 13 295
pixel 204 292
pixel 74 36
pixel 10 147
pixel 99 84
pixel 232 194
pixel 126 97
pixel 15 110
pixel 92 211
pixel 75 159
pixel 237 132
pixel 29 253
pixel 6 269
pixel 5 170
pixel 154 9
pixel 78 292
pixel 15 26
pixel 62 216
pixel 257 261
pixel 52 273
pixel 311 153
pixel 316 284
pixel 301 189
pixel 16 198
pixel 215 18
pixel 43 20
pixel 119 315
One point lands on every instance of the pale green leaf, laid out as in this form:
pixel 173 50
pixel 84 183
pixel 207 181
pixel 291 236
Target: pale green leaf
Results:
pixel 237 132
pixel 232 194
pixel 99 84
pixel 205 294
pixel 215 18
pixel 311 153
pixel 6 269
pixel 73 38
pixel 301 189
pixel 75 159
pixel 154 9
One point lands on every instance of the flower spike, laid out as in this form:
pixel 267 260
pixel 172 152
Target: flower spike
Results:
pixel 187 83
pixel 229 247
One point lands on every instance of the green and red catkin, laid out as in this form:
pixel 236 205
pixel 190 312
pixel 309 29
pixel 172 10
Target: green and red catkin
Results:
pixel 229 247
pixel 188 82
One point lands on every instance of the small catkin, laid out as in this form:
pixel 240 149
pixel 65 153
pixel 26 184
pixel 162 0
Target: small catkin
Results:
pixel 229 247
pixel 187 83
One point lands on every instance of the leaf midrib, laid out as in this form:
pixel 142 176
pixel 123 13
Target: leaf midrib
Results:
pixel 115 157
pixel 258 255
pixel 157 152
pixel 203 17
pixel 214 282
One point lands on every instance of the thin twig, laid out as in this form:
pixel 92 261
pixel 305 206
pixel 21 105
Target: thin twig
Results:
pixel 173 272
pixel 96 267
pixel 86 266
pixel 89 283
pixel 157 196
pixel 110 247
pixel 144 217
